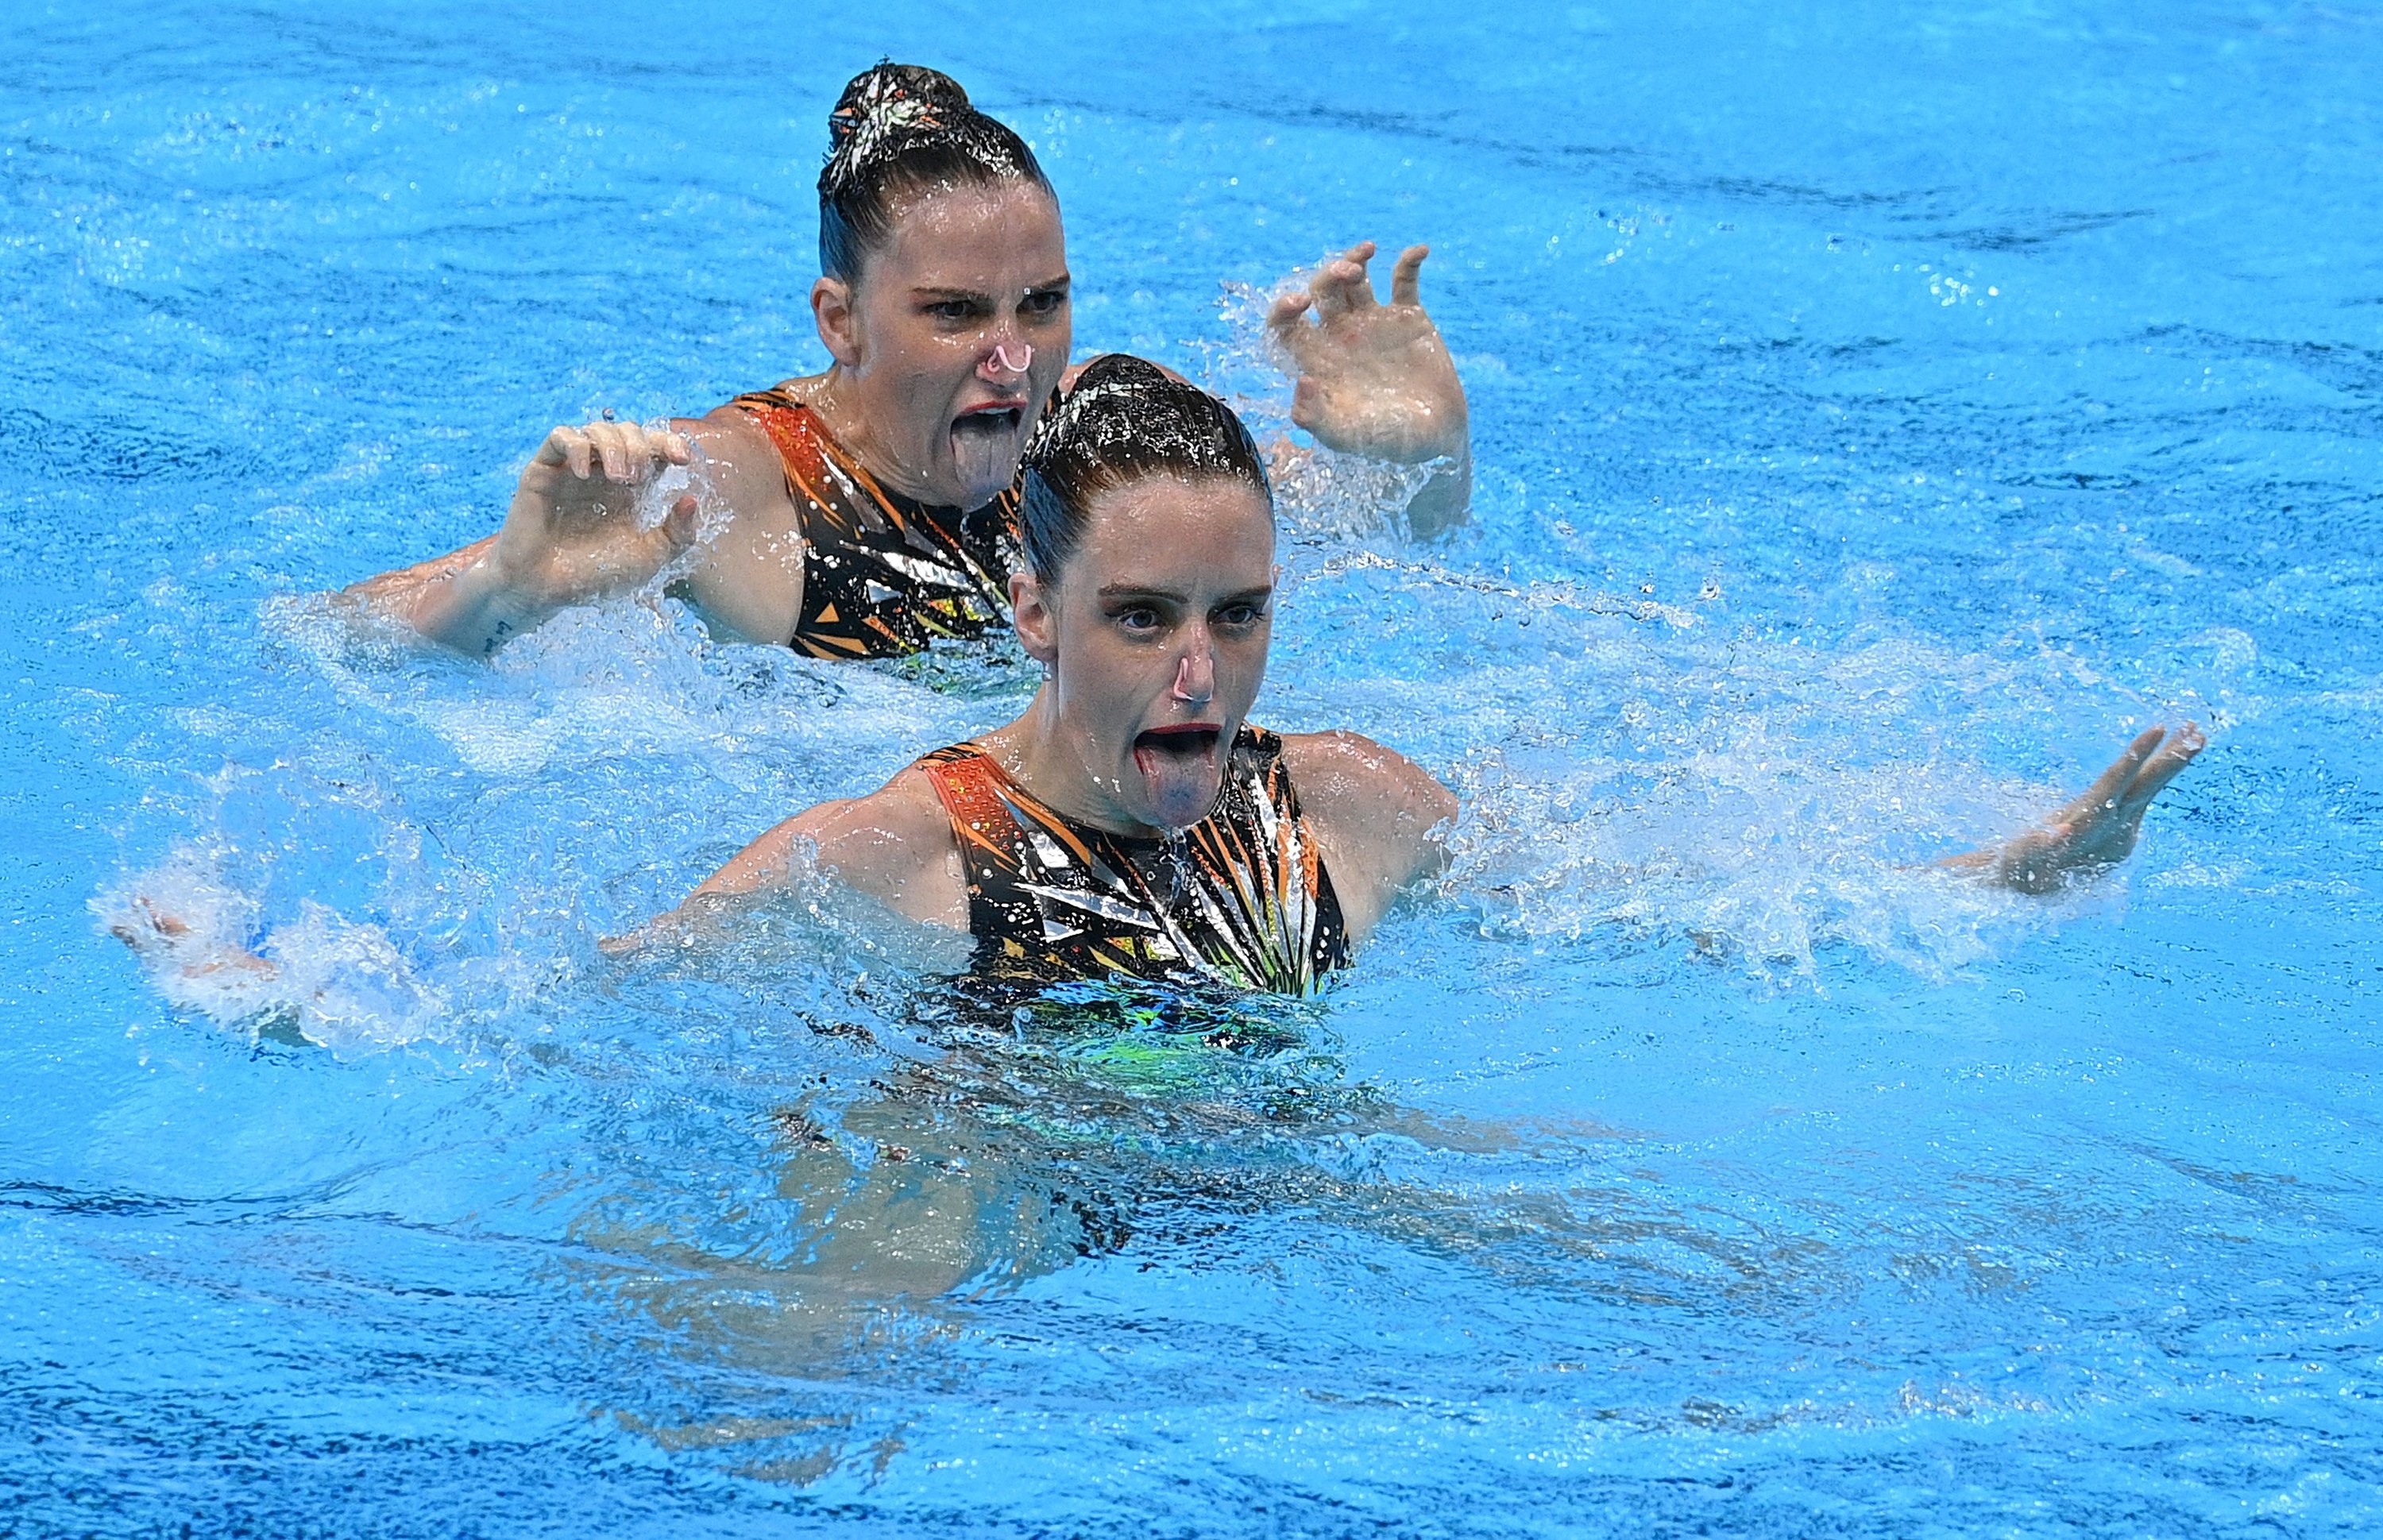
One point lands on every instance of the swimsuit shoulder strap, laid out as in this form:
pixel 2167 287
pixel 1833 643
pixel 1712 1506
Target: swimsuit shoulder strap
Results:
pixel 883 574
pixel 822 474
pixel 990 815
pixel 969 783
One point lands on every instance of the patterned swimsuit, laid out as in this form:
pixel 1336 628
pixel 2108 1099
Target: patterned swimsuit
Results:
pixel 1242 896
pixel 883 574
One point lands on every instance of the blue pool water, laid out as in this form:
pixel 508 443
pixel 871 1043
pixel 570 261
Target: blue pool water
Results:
pixel 1882 409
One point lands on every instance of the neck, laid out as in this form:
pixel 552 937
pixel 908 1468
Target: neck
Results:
pixel 840 400
pixel 1048 761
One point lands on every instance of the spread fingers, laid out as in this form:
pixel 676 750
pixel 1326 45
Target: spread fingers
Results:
pixel 2165 766
pixel 1406 284
pixel 2107 790
pixel 1341 286
pixel 1287 309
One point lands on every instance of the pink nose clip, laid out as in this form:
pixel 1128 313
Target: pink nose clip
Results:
pixel 1190 687
pixel 1000 362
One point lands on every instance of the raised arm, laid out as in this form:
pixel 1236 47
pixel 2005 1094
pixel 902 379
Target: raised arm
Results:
pixel 1381 819
pixel 573 536
pixel 1375 380
pixel 2098 830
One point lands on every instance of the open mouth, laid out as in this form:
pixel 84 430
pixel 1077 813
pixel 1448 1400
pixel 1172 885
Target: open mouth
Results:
pixel 988 420
pixel 986 443
pixel 1189 741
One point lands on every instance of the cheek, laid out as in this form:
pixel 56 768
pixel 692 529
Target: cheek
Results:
pixel 937 358
pixel 913 350
pixel 1108 674
pixel 1246 660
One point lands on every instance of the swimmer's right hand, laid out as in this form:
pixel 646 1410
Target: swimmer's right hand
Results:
pixel 571 534
pixel 2096 830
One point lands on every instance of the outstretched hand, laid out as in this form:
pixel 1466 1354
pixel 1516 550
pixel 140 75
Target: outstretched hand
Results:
pixel 2098 830
pixel 1373 379
pixel 572 534
pixel 150 930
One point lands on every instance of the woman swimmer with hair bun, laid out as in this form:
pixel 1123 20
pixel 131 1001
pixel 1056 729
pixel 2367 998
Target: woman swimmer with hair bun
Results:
pixel 1133 820
pixel 873 508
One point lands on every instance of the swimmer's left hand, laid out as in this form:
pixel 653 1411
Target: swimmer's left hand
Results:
pixel 1373 379
pixel 151 931
pixel 2098 830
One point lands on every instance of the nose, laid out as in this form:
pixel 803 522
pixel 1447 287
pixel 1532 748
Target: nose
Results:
pixel 1196 674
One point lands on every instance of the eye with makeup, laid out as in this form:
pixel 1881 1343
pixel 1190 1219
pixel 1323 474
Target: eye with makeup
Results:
pixel 1139 620
pixel 1241 614
pixel 957 312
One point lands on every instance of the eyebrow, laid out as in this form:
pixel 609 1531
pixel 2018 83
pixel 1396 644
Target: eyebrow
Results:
pixel 937 292
pixel 1134 591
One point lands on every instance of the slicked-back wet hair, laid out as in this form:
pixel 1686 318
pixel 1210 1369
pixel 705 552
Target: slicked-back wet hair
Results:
pixel 898 129
pixel 1125 421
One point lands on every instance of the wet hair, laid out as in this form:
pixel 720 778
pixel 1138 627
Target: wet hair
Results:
pixel 898 129
pixel 1125 421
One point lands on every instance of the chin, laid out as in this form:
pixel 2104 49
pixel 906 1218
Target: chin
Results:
pixel 1175 820
pixel 977 497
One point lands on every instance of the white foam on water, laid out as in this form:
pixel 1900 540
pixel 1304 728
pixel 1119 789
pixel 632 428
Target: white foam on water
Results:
pixel 341 985
pixel 1640 769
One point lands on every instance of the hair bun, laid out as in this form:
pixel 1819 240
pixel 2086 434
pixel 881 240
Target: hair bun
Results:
pixel 888 96
pixel 900 130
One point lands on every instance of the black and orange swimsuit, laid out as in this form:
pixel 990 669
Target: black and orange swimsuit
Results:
pixel 1241 896
pixel 883 574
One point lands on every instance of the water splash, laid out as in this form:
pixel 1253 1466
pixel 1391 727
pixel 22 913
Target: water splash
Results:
pixel 331 981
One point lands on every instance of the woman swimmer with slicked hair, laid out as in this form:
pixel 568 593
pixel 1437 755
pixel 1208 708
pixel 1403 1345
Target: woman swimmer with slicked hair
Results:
pixel 1133 820
pixel 864 512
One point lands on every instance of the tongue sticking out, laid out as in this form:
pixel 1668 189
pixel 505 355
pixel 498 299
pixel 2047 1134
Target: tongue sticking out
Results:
pixel 1179 771
pixel 985 447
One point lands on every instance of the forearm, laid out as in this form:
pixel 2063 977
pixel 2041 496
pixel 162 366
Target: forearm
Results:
pixel 455 600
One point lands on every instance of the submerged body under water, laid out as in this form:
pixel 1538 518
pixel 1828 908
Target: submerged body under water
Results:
pixel 1880 416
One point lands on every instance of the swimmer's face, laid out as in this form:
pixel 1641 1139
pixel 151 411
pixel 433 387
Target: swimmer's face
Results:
pixel 1156 636
pixel 953 338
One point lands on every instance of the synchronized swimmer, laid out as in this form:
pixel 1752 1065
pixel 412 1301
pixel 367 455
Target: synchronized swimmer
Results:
pixel 947 476
pixel 867 510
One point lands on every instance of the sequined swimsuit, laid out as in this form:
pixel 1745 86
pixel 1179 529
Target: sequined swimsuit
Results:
pixel 883 574
pixel 1243 896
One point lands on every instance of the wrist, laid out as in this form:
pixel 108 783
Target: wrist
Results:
pixel 476 610
pixel 1456 445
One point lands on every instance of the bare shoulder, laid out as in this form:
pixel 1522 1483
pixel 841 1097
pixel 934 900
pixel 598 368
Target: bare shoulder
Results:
pixel 732 438
pixel 894 845
pixel 749 579
pixel 1376 817
pixel 1344 772
pixel 905 816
